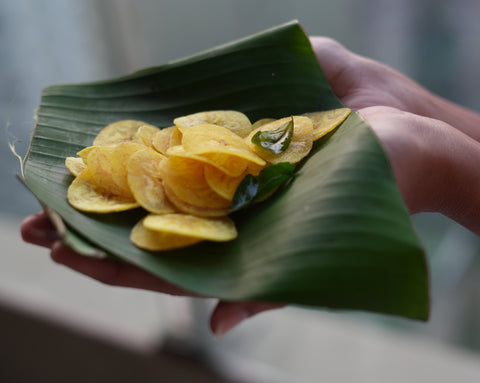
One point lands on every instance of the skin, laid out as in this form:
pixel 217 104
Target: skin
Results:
pixel 433 146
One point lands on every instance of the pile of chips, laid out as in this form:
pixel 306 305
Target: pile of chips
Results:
pixel 185 176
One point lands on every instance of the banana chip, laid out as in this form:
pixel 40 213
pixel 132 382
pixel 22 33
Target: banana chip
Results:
pixel 161 139
pixel 261 122
pixel 120 157
pixel 236 122
pixel 99 163
pixel 185 177
pixel 120 131
pixel 85 195
pixel 75 165
pixel 200 211
pixel 158 241
pixel 146 133
pixel 300 144
pixel 223 184
pixel 324 122
pixel 221 147
pixel 212 229
pixel 231 165
pixel 145 181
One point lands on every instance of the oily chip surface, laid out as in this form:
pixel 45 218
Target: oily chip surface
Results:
pixel 75 165
pixel 120 131
pixel 158 241
pixel 83 194
pixel 300 145
pixel 326 121
pixel 234 121
pixel 145 182
pixel 212 229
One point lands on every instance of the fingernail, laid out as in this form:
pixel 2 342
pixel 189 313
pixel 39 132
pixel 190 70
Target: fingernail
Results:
pixel 230 322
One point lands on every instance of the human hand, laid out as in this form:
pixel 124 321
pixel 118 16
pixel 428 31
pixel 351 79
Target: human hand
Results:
pixel 434 164
pixel 38 230
pixel 361 82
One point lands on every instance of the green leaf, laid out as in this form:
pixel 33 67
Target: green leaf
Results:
pixel 275 141
pixel 339 236
pixel 257 188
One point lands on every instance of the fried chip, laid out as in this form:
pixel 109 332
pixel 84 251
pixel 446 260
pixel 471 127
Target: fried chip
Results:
pixel 146 133
pixel 75 165
pixel 161 139
pixel 119 159
pixel 186 178
pixel 300 145
pixel 232 165
pixel 83 154
pixel 99 163
pixel 326 121
pixel 235 121
pixel 120 131
pixel 158 241
pixel 212 229
pixel 221 147
pixel 145 181
pixel 223 184
pixel 85 195
pixel 261 122
pixel 200 211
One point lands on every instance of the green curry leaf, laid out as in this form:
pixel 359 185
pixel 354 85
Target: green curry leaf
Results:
pixel 275 141
pixel 258 188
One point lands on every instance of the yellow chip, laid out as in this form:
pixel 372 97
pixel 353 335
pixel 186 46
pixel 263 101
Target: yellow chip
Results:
pixel 222 147
pixel 75 165
pixel 176 137
pixel 99 163
pixel 324 122
pixel 186 178
pixel 156 241
pixel 199 211
pixel 83 154
pixel 146 133
pixel 145 182
pixel 235 121
pixel 223 184
pixel 83 194
pixel 120 156
pixel 120 131
pixel 212 229
pixel 161 139
pixel 232 165
pixel 261 122
pixel 300 145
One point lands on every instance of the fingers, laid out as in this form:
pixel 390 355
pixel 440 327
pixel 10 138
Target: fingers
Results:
pixel 38 230
pixel 228 315
pixel 111 272
pixel 338 64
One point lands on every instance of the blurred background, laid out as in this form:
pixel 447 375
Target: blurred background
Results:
pixel 56 325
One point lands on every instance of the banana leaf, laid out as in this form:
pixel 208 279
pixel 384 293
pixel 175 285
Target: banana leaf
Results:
pixel 339 236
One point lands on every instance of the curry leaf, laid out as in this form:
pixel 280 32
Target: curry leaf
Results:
pixel 275 141
pixel 258 188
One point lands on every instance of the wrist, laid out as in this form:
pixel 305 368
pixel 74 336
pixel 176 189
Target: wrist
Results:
pixel 450 181
pixel 461 118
